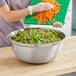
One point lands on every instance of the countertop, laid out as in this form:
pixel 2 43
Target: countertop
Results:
pixel 64 63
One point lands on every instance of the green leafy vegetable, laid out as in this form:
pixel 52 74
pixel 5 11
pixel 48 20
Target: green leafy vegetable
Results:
pixel 37 36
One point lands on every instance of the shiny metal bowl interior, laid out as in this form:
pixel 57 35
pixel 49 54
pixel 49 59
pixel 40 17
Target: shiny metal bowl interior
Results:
pixel 36 53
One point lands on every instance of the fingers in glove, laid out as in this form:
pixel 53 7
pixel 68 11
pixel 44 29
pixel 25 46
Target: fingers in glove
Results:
pixel 48 6
pixel 57 24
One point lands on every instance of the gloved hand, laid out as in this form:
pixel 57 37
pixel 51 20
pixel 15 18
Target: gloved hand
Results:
pixel 57 24
pixel 40 7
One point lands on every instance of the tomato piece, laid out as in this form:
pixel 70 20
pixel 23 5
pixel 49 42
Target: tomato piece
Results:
pixel 23 39
pixel 52 36
pixel 28 32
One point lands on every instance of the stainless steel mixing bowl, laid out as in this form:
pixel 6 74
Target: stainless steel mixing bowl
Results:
pixel 36 53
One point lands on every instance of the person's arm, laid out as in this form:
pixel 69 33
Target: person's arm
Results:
pixel 11 16
pixel 15 15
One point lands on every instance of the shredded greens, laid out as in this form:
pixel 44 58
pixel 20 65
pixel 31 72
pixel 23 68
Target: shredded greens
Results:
pixel 37 36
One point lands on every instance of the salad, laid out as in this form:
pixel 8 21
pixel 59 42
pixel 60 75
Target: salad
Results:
pixel 37 36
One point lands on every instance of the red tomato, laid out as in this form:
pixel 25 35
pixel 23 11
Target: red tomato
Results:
pixel 52 36
pixel 28 32
pixel 23 39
